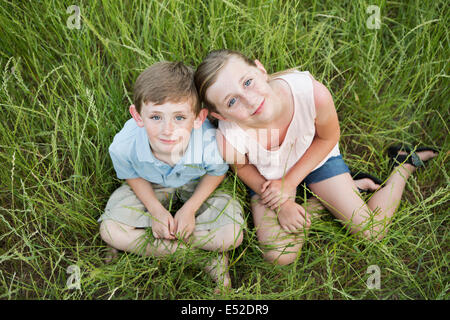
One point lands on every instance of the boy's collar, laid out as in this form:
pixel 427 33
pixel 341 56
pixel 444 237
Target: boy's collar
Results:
pixel 143 150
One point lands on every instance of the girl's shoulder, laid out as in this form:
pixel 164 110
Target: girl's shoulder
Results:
pixel 234 135
pixel 298 82
pixel 291 73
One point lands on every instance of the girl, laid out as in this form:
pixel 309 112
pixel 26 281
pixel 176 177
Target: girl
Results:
pixel 283 129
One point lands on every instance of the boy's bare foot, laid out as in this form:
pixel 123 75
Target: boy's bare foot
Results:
pixel 217 268
pixel 111 254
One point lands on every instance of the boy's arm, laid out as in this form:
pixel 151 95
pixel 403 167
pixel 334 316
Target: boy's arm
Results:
pixel 205 187
pixel 163 225
pixel 185 216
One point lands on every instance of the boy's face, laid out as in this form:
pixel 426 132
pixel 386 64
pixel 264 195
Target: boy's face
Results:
pixel 168 126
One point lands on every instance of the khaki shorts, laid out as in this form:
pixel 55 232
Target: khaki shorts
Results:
pixel 218 210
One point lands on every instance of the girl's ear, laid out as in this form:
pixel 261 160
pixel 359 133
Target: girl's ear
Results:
pixel 200 118
pixel 136 116
pixel 218 116
pixel 260 66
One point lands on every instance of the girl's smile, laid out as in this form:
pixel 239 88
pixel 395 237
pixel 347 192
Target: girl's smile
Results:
pixel 260 108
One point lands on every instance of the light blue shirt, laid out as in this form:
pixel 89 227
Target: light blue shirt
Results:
pixel 132 157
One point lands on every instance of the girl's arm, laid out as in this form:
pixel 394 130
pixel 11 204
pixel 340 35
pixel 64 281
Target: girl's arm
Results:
pixel 239 163
pixel 327 135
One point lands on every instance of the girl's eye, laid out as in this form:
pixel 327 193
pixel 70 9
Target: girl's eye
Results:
pixel 248 82
pixel 179 118
pixel 155 117
pixel 231 102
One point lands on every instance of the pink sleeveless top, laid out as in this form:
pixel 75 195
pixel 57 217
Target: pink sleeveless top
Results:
pixel 274 164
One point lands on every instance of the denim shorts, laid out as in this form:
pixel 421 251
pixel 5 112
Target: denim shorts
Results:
pixel 334 166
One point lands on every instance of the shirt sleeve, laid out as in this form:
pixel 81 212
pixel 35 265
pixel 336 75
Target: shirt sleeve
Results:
pixel 212 159
pixel 123 167
pixel 217 170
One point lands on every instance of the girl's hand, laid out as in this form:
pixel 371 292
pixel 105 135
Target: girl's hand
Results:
pixel 275 192
pixel 163 225
pixel 292 217
pixel 184 223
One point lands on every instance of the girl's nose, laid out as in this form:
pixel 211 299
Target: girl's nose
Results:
pixel 252 101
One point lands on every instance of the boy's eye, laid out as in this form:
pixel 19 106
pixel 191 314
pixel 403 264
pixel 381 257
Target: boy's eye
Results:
pixel 248 82
pixel 155 117
pixel 231 102
pixel 179 118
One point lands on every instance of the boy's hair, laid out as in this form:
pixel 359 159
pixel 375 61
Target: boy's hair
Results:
pixel 166 81
pixel 207 71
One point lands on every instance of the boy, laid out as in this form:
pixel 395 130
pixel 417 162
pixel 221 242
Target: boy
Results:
pixel 167 151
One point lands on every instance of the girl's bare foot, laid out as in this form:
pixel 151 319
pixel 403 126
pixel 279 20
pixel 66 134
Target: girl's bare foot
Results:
pixel 366 184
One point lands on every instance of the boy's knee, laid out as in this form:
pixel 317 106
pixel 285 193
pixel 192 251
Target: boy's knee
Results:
pixel 107 230
pixel 113 232
pixel 237 241
pixel 230 237
pixel 233 236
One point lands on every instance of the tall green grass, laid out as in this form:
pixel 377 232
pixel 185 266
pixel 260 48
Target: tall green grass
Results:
pixel 64 94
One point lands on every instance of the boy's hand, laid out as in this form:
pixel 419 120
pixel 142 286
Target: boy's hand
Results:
pixel 163 225
pixel 292 217
pixel 274 193
pixel 184 222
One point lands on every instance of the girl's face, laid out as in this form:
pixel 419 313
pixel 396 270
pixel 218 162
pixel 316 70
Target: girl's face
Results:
pixel 242 94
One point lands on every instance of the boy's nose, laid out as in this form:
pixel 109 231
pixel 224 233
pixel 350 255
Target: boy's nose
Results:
pixel 168 127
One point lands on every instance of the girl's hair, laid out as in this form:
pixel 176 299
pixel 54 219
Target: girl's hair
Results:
pixel 207 72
